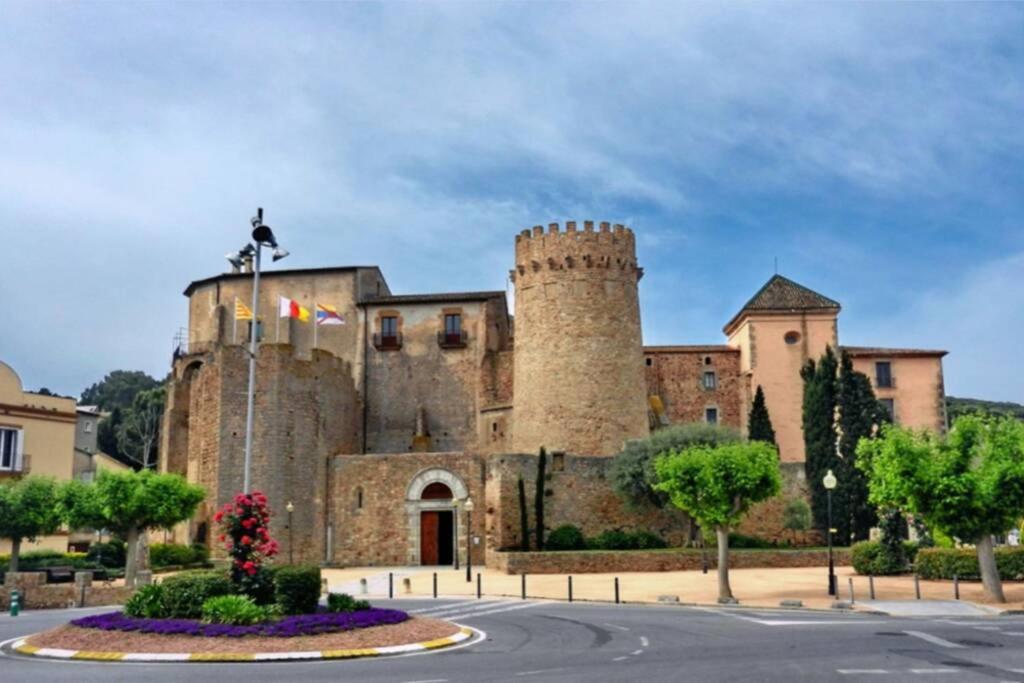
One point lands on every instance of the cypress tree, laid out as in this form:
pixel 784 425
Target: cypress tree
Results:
pixel 538 501
pixel 759 423
pixel 819 407
pixel 860 414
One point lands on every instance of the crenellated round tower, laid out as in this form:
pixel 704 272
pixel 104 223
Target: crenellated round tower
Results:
pixel 579 376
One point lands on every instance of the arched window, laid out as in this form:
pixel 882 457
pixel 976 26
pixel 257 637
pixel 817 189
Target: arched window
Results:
pixel 436 491
pixel 792 337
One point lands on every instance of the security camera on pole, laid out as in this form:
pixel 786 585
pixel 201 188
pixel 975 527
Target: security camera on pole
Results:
pixel 263 236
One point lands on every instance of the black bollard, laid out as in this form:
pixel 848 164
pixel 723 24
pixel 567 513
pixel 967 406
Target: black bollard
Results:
pixel 570 588
pixel 917 586
pixel 479 592
pixel 956 586
pixel 391 586
pixel 871 587
pixel 616 590
pixel 435 584
pixel 522 580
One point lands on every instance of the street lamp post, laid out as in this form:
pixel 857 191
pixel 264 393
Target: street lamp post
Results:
pixel 468 505
pixel 829 482
pixel 455 533
pixel 291 555
pixel 263 236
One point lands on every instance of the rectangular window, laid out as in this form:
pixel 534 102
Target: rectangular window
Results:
pixel 890 407
pixel 711 415
pixel 9 460
pixel 453 328
pixel 389 331
pixel 710 380
pixel 883 374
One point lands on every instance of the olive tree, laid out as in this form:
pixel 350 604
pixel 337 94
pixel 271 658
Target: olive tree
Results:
pixel 27 511
pixel 717 485
pixel 968 484
pixel 130 503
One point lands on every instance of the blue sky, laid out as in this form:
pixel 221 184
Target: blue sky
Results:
pixel 874 149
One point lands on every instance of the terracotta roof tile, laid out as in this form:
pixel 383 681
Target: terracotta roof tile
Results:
pixel 780 294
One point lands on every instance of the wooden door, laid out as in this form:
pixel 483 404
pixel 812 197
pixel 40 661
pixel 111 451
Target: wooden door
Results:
pixel 429 527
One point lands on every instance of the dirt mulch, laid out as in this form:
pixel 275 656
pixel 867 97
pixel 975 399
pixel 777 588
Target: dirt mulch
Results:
pixel 414 630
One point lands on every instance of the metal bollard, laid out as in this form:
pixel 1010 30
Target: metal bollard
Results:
pixel 522 580
pixel 15 602
pixel 570 588
pixel 851 590
pixel 917 586
pixel 435 584
pixel 871 587
pixel 479 591
pixel 391 586
pixel 363 588
pixel 956 586
pixel 616 590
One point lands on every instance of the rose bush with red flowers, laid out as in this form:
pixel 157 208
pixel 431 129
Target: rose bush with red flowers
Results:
pixel 244 523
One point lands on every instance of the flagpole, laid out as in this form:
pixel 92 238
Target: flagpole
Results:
pixel 277 335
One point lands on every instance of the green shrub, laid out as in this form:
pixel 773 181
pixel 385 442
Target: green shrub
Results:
pixel 616 539
pixel 237 610
pixel 297 589
pixel 869 558
pixel 170 554
pixel 200 553
pixel 565 537
pixel 343 602
pixel 260 586
pixel 110 555
pixel 147 602
pixel 943 563
pixel 645 540
pixel 911 548
pixel 185 593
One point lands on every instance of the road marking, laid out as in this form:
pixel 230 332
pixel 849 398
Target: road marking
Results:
pixel 637 652
pixel 1014 633
pixel 619 659
pixel 430 680
pixel 934 640
pixel 985 628
pixel 644 642
pixel 935 671
pixel 789 622
pixel 856 672
pixel 621 628
pixel 453 606
pixel 534 673
pixel 472 615
pixel 476 607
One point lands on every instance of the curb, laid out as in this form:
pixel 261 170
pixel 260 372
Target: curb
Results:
pixel 20 647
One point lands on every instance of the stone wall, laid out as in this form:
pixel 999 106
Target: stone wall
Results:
pixel 37 594
pixel 579 382
pixel 601 561
pixel 765 519
pixel 373 520
pixel 676 375
pixel 306 410
pixel 577 492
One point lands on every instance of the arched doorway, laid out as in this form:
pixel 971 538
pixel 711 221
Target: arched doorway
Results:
pixel 437 527
pixel 430 506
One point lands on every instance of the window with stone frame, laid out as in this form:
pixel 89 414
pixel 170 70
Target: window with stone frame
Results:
pixel 711 415
pixel 710 381
pixel 10 449
pixel 388 336
pixel 883 374
pixel 890 407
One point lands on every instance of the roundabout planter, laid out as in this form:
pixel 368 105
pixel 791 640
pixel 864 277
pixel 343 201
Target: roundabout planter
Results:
pixel 407 636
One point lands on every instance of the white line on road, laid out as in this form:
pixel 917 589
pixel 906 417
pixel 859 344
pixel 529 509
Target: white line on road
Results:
pixel 453 605
pixel 621 628
pixel 644 642
pixel 534 673
pixel 472 615
pixel 476 607
pixel 934 640
pixel 431 680
pixel 935 671
pixel 619 659
pixel 637 652
pixel 985 628
pixel 1014 633
pixel 789 622
pixel 857 672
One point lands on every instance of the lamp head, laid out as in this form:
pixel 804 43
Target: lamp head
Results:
pixel 280 253
pixel 234 259
pixel 829 480
pixel 289 507
pixel 264 235
pixel 468 505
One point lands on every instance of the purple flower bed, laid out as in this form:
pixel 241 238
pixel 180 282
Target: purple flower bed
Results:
pixel 286 627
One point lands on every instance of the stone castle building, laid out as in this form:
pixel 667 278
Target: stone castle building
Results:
pixel 380 431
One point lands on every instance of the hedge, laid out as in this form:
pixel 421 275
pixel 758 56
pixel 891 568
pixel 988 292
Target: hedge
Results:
pixel 185 593
pixel 944 563
pixel 297 589
pixel 173 555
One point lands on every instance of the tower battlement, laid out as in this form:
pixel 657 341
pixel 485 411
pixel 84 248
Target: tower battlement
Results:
pixel 609 248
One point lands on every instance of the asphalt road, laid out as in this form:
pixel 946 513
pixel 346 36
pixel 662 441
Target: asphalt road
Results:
pixel 540 641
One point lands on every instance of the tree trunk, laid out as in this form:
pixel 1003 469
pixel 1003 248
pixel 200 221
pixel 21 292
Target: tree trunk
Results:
pixel 989 572
pixel 724 591
pixel 15 554
pixel 131 548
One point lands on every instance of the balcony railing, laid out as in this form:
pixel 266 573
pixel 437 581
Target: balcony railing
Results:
pixel 885 382
pixel 387 342
pixel 452 340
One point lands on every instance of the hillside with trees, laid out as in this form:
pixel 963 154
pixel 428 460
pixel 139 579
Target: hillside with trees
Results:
pixel 956 407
